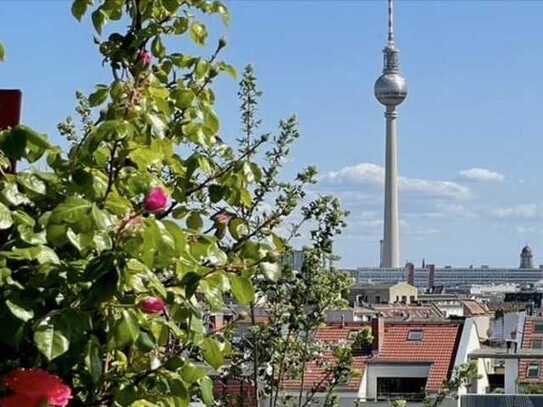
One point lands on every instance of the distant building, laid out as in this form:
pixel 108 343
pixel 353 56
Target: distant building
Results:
pixel 386 293
pixel 447 277
pixel 526 258
pixel 408 360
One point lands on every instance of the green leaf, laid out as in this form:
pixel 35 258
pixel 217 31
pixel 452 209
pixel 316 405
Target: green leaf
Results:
pixel 212 353
pixel 206 390
pixel 50 341
pixel 202 68
pixel 12 195
pixel 192 373
pixel 171 5
pixel 181 25
pixel 32 183
pixel 100 217
pixel 79 8
pixel 198 33
pixel 127 330
pixel 2 53
pixel 72 210
pixel 93 359
pixel 99 96
pixel 19 311
pixel 238 228
pixel 157 47
pixel 220 8
pixel 194 221
pixel 228 69
pixel 5 217
pixel 99 18
pixel 42 254
pixel 242 289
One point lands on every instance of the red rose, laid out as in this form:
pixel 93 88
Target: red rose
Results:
pixel 153 305
pixel 33 387
pixel 145 57
pixel 156 200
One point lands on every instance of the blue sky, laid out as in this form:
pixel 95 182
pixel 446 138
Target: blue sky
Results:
pixel 470 130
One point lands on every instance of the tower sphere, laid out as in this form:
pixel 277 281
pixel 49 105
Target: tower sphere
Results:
pixel 390 89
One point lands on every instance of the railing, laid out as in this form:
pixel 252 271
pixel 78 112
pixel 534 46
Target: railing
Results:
pixel 401 396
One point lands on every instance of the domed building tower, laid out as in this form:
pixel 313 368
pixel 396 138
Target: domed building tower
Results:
pixel 526 258
pixel 391 90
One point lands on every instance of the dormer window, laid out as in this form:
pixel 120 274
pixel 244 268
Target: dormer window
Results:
pixel 533 370
pixel 415 335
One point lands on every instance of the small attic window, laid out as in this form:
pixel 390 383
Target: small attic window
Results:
pixel 538 328
pixel 533 370
pixel 415 335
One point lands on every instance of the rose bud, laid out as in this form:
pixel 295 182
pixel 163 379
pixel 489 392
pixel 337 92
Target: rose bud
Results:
pixel 145 57
pixel 156 200
pixel 153 305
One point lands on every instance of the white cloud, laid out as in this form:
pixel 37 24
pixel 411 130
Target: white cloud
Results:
pixel 372 175
pixel 481 175
pixel 523 211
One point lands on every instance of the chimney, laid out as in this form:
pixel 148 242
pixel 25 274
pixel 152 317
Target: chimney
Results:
pixel 431 276
pixel 410 271
pixel 342 321
pixel 378 333
pixel 10 108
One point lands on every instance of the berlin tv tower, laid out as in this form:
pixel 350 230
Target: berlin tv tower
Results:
pixel 390 91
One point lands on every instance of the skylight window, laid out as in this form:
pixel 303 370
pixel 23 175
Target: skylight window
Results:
pixel 415 335
pixel 533 370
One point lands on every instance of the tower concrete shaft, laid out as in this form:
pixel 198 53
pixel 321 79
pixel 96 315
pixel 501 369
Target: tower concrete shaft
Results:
pixel 391 90
pixel 391 241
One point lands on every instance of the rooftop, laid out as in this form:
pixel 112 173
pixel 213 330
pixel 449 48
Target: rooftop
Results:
pixel 316 371
pixel 437 346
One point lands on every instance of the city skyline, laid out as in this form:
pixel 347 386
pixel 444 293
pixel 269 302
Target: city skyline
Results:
pixel 469 142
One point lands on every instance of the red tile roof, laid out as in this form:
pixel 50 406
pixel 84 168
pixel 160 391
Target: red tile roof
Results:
pixel 437 347
pixel 315 372
pixel 473 308
pixel 528 337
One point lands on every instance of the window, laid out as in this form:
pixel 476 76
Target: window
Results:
pixel 533 370
pixel 408 388
pixel 537 343
pixel 415 335
pixel 538 328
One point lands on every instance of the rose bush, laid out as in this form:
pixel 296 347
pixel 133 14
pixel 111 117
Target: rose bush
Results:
pixel 91 249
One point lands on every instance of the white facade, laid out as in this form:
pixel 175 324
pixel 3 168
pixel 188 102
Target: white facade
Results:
pixel 470 342
pixel 448 277
pixel 396 370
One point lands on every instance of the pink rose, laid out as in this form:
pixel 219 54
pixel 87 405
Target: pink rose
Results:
pixel 145 57
pixel 223 217
pixel 33 387
pixel 156 200
pixel 153 305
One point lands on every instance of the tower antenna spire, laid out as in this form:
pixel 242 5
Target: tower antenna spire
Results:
pixel 390 22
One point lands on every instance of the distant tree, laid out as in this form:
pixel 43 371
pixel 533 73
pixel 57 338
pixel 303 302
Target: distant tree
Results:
pixel 295 301
pixel 462 376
